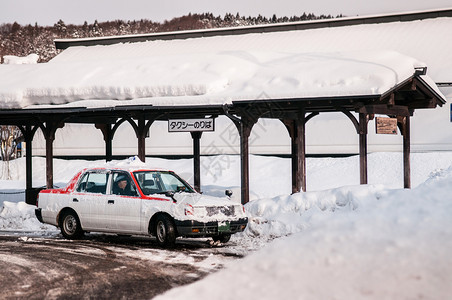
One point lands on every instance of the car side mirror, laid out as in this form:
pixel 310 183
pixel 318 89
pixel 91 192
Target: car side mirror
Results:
pixel 228 193
pixel 171 195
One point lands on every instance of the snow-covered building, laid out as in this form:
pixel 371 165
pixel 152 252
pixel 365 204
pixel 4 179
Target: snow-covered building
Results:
pixel 347 70
pixel 421 35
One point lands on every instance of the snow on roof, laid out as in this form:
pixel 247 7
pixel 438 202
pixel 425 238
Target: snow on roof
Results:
pixel 64 43
pixel 328 62
pixel 215 77
pixel 425 40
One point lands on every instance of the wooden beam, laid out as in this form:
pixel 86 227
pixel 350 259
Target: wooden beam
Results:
pixel 352 118
pixel 429 95
pixel 383 109
pixel 196 135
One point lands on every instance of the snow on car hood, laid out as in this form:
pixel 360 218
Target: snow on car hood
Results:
pixel 197 199
pixel 196 206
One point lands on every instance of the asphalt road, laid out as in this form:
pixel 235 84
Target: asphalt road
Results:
pixel 100 266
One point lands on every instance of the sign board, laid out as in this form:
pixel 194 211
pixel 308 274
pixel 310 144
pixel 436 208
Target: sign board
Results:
pixel 386 125
pixel 189 125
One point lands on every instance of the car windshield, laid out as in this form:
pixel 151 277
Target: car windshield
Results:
pixel 160 182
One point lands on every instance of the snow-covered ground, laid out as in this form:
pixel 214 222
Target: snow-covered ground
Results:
pixel 339 240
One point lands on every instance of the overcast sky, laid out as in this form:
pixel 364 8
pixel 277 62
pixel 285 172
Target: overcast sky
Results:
pixel 48 12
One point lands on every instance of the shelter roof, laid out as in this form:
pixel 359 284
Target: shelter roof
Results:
pixel 209 78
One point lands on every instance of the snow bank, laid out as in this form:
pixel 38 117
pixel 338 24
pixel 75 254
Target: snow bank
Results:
pixel 284 215
pixel 20 216
pixel 16 60
pixel 355 242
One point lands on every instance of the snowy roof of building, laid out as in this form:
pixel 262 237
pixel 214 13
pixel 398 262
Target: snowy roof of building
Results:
pixel 361 60
pixel 262 28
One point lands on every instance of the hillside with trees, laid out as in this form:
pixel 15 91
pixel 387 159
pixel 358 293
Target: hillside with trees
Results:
pixel 19 40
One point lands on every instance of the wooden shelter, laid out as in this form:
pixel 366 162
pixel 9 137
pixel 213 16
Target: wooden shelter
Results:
pixel 398 101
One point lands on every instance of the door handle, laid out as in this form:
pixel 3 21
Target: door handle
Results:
pixel 111 201
pixel 75 200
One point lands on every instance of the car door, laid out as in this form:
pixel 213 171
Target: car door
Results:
pixel 123 206
pixel 89 199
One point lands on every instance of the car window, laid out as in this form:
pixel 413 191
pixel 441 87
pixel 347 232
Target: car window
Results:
pixel 160 182
pixel 172 183
pixel 96 183
pixel 82 183
pixel 123 185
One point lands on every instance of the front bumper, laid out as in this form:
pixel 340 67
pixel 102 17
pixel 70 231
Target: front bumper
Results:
pixel 38 214
pixel 191 228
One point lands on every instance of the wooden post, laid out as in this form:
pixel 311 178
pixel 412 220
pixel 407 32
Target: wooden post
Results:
pixel 363 148
pixel 245 131
pixel 244 126
pixel 296 129
pixel 108 138
pixel 196 135
pixel 301 152
pixel 49 134
pixel 297 133
pixel 295 157
pixel 28 136
pixel 406 153
pixel 28 132
pixel 109 146
pixel 141 139
pixel 49 162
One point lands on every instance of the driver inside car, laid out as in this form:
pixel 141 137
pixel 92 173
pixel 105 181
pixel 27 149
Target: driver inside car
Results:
pixel 122 186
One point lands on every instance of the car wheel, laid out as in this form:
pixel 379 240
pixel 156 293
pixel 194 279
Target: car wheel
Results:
pixel 165 232
pixel 70 226
pixel 222 238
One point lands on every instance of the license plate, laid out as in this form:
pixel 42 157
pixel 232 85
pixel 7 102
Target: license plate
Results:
pixel 224 226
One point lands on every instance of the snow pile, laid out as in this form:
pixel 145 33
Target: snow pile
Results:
pixel 20 216
pixel 285 215
pixel 16 60
pixel 215 77
pixel 382 244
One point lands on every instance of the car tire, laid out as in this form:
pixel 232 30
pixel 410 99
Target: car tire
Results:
pixel 165 232
pixel 222 238
pixel 70 226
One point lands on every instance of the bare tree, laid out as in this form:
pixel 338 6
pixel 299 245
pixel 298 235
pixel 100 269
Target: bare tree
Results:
pixel 9 138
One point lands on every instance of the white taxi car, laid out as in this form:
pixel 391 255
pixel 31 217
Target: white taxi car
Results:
pixel 138 201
